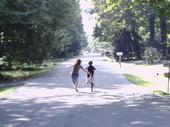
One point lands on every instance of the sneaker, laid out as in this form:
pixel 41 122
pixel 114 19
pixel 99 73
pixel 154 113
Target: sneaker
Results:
pixel 76 90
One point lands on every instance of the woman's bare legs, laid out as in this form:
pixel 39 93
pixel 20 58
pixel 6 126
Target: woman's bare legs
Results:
pixel 75 84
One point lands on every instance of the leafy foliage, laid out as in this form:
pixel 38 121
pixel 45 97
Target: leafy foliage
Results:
pixel 35 30
pixel 148 19
pixel 151 54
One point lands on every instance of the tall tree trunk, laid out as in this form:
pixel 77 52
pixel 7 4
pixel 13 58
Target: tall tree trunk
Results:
pixel 163 27
pixel 152 28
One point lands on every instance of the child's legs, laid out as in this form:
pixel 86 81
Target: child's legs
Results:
pixel 75 84
pixel 90 75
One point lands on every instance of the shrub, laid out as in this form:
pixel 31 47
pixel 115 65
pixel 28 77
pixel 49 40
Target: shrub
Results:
pixel 151 55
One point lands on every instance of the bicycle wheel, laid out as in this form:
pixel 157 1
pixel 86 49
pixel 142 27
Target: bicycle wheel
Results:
pixel 91 87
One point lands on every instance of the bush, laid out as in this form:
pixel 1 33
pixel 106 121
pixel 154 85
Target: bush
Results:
pixel 151 55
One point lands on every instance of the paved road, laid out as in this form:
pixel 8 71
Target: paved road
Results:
pixel 50 101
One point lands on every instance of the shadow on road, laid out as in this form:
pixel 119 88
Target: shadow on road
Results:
pixel 49 101
pixel 52 111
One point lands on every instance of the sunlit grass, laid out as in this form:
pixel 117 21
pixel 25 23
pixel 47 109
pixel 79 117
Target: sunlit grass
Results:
pixel 21 73
pixel 137 80
pixel 162 93
pixel 8 75
pixel 7 90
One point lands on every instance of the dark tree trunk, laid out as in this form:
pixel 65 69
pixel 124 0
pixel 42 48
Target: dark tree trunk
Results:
pixel 136 44
pixel 152 28
pixel 163 27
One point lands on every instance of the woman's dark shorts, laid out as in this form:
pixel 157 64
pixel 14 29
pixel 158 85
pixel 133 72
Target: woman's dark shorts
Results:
pixel 74 77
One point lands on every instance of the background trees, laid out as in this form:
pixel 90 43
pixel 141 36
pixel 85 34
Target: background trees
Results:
pixel 35 30
pixel 133 25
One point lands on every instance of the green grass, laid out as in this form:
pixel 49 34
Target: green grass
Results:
pixel 20 74
pixel 7 90
pixel 137 80
pixel 162 93
pixel 27 72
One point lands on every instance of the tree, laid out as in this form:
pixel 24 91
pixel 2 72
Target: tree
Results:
pixel 162 11
pixel 136 16
pixel 28 29
pixel 115 17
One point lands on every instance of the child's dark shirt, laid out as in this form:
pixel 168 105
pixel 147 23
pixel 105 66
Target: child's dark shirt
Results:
pixel 90 69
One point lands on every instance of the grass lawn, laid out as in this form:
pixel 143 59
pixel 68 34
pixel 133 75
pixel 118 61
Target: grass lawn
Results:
pixel 162 93
pixel 21 74
pixel 26 72
pixel 4 91
pixel 137 80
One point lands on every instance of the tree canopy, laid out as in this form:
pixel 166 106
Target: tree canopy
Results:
pixel 133 25
pixel 34 30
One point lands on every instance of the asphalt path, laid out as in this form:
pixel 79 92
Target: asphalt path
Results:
pixel 50 101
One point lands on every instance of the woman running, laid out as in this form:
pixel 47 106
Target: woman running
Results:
pixel 75 73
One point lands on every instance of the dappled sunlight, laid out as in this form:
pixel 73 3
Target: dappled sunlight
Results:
pixel 63 106
pixel 40 42
pixel 139 123
pixel 51 100
pixel 22 119
pixel 66 95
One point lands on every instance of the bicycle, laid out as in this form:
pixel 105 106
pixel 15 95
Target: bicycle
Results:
pixel 90 80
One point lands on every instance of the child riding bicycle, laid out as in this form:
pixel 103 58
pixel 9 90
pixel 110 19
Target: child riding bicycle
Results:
pixel 90 75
